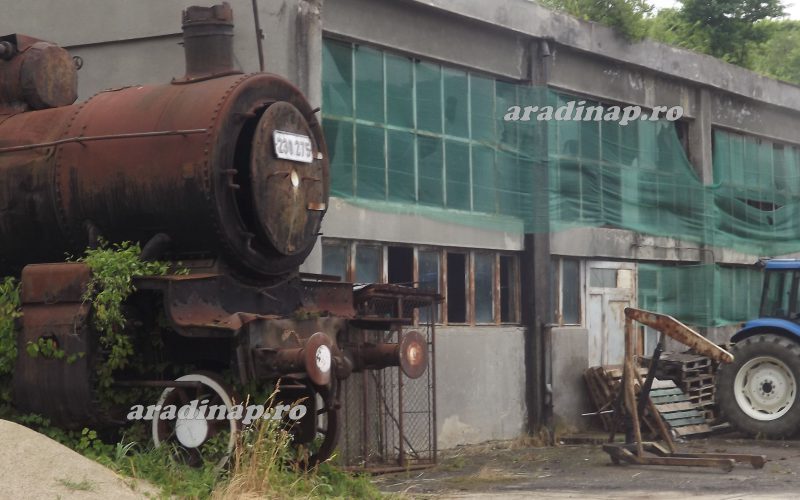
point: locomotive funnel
(208, 41)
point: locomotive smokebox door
(286, 171)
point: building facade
(537, 233)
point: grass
(262, 466)
(83, 485)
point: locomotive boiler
(224, 172)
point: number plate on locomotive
(294, 147)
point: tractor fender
(775, 326)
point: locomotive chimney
(208, 41)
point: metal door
(610, 288)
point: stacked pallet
(695, 375)
(676, 408)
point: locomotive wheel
(757, 393)
(326, 427)
(197, 440)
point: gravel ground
(33, 466)
(513, 470)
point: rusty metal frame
(378, 435)
(629, 409)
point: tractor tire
(758, 392)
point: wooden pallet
(695, 375)
(675, 407)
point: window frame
(515, 285)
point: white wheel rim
(188, 434)
(765, 388)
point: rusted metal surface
(186, 186)
(410, 354)
(680, 332)
(35, 74)
(190, 171)
(54, 283)
(208, 42)
(290, 191)
(52, 387)
(313, 359)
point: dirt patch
(507, 469)
(34, 466)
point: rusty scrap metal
(680, 332)
(35, 74)
(629, 412)
(81, 140)
(181, 185)
(208, 42)
(314, 358)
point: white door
(610, 288)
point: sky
(792, 6)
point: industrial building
(536, 233)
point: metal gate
(389, 420)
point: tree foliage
(629, 17)
(731, 26)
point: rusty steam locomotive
(223, 171)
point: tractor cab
(780, 298)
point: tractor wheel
(758, 392)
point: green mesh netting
(414, 137)
(704, 295)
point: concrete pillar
(535, 267)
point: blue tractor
(757, 393)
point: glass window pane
(428, 262)
(430, 167)
(334, 260)
(506, 96)
(483, 179)
(570, 292)
(508, 290)
(368, 264)
(339, 138)
(399, 91)
(603, 278)
(369, 84)
(484, 288)
(458, 195)
(455, 103)
(337, 78)
(401, 166)
(370, 159)
(483, 113)
(429, 97)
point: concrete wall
(570, 358)
(124, 42)
(480, 384)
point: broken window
(456, 288)
(401, 265)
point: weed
(84, 485)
